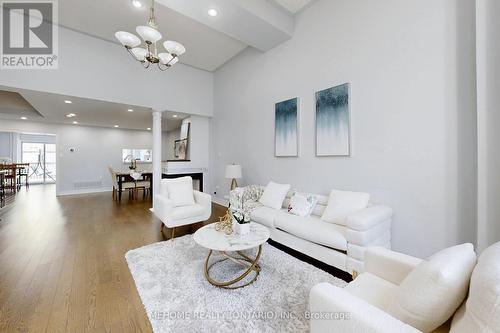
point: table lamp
(233, 171)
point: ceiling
(51, 108)
(210, 41)
(293, 6)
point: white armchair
(363, 299)
(177, 204)
(424, 293)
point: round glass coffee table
(218, 241)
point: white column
(156, 153)
(488, 121)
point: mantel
(195, 173)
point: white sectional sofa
(338, 245)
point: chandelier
(148, 54)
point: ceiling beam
(257, 23)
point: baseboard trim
(85, 191)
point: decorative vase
(241, 229)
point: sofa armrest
(334, 309)
(389, 265)
(203, 199)
(163, 207)
(369, 217)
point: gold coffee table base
(244, 260)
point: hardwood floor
(62, 265)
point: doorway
(42, 161)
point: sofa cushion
(342, 203)
(313, 229)
(265, 215)
(302, 205)
(374, 290)
(180, 191)
(184, 212)
(481, 311)
(274, 194)
(433, 291)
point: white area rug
(177, 298)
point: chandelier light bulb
(127, 39)
(174, 47)
(148, 34)
(174, 61)
(165, 58)
(139, 53)
(213, 12)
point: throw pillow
(180, 191)
(342, 203)
(302, 205)
(433, 291)
(481, 311)
(274, 194)
(252, 193)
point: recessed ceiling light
(213, 12)
(24, 118)
(136, 3)
(75, 122)
(68, 101)
(116, 126)
(149, 128)
(71, 115)
(130, 110)
(175, 116)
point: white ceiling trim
(292, 6)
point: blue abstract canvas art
(285, 128)
(332, 121)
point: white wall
(411, 69)
(488, 84)
(6, 145)
(90, 160)
(93, 68)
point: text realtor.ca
(29, 37)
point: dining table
(125, 176)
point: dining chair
(140, 183)
(126, 186)
(10, 176)
(23, 171)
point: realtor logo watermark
(29, 38)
